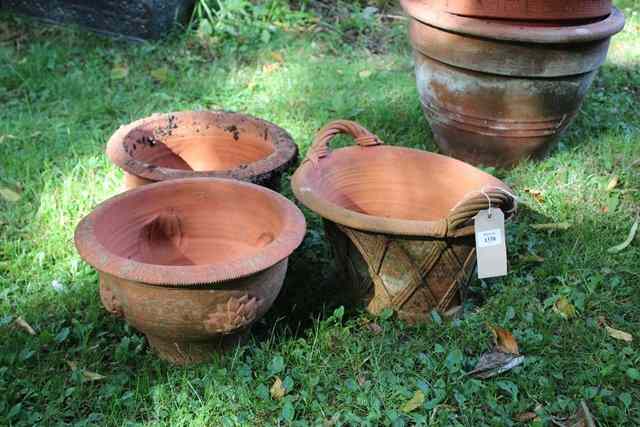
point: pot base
(410, 275)
(192, 352)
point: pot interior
(200, 141)
(394, 182)
(190, 223)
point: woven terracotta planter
(545, 10)
(496, 92)
(400, 220)
(216, 144)
(191, 263)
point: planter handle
(320, 146)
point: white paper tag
(491, 247)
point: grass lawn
(63, 92)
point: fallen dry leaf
(618, 334)
(582, 418)
(119, 71)
(531, 258)
(504, 340)
(552, 226)
(622, 246)
(277, 389)
(526, 416)
(9, 195)
(160, 74)
(277, 56)
(86, 375)
(414, 403)
(536, 194)
(454, 313)
(613, 183)
(92, 376)
(270, 68)
(375, 328)
(365, 74)
(564, 308)
(495, 363)
(22, 324)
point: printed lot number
(489, 238)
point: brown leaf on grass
(277, 389)
(536, 194)
(582, 418)
(22, 324)
(618, 334)
(375, 328)
(632, 235)
(495, 363)
(552, 226)
(613, 183)
(92, 376)
(160, 74)
(414, 403)
(270, 68)
(564, 308)
(86, 375)
(454, 313)
(614, 333)
(119, 71)
(365, 74)
(277, 56)
(9, 195)
(504, 340)
(526, 417)
(531, 258)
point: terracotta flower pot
(546, 10)
(191, 263)
(496, 92)
(400, 220)
(216, 144)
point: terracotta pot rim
(393, 226)
(508, 30)
(284, 154)
(104, 260)
(535, 10)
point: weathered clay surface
(552, 10)
(498, 97)
(400, 220)
(202, 144)
(491, 120)
(191, 263)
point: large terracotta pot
(216, 144)
(496, 92)
(191, 263)
(400, 220)
(546, 10)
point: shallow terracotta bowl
(188, 144)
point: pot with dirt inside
(216, 144)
